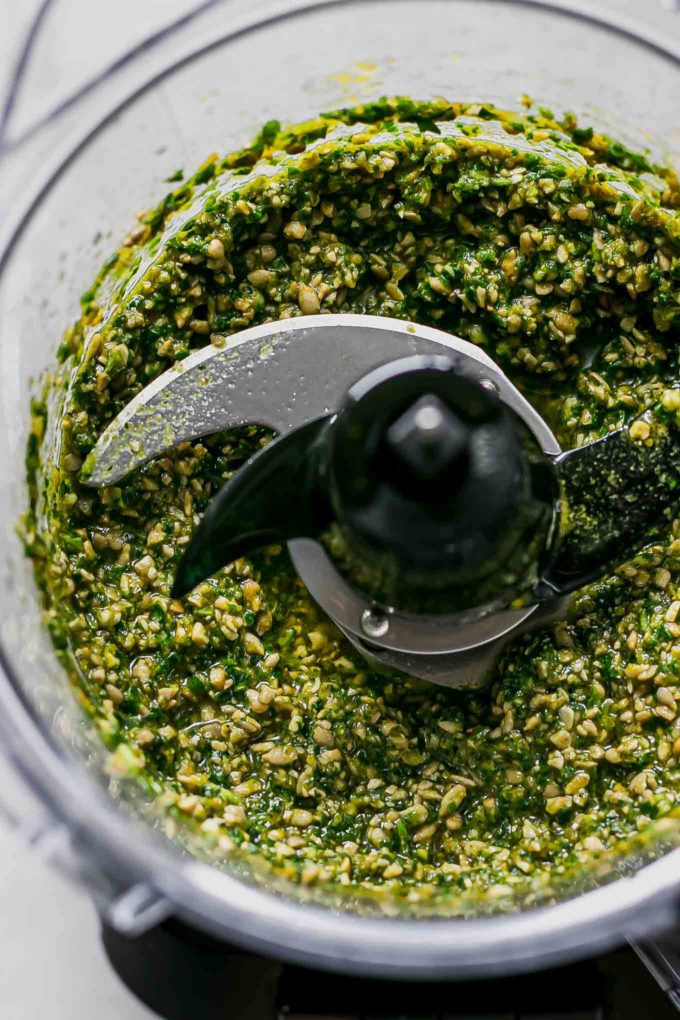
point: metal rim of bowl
(225, 906)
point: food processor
(211, 82)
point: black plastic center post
(427, 444)
(433, 490)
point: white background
(52, 966)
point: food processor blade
(291, 375)
(284, 375)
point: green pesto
(556, 249)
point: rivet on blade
(374, 623)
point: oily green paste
(240, 707)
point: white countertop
(52, 966)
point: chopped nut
(452, 799)
(556, 804)
(301, 818)
(281, 756)
(308, 299)
(295, 230)
(215, 249)
(234, 815)
(639, 431)
(252, 644)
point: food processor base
(179, 973)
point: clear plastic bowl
(77, 184)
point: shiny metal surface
(468, 668)
(279, 374)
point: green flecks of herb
(661, 634)
(606, 664)
(287, 639)
(266, 137)
(241, 677)
(626, 158)
(156, 612)
(88, 296)
(167, 205)
(169, 662)
(57, 635)
(178, 175)
(403, 837)
(114, 363)
(428, 124)
(129, 706)
(625, 218)
(197, 686)
(205, 173)
(71, 542)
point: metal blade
(271, 498)
(280, 374)
(616, 492)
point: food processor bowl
(77, 181)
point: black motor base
(182, 974)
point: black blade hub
(433, 489)
(427, 445)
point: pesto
(241, 707)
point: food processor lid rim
(590, 921)
(624, 26)
(627, 28)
